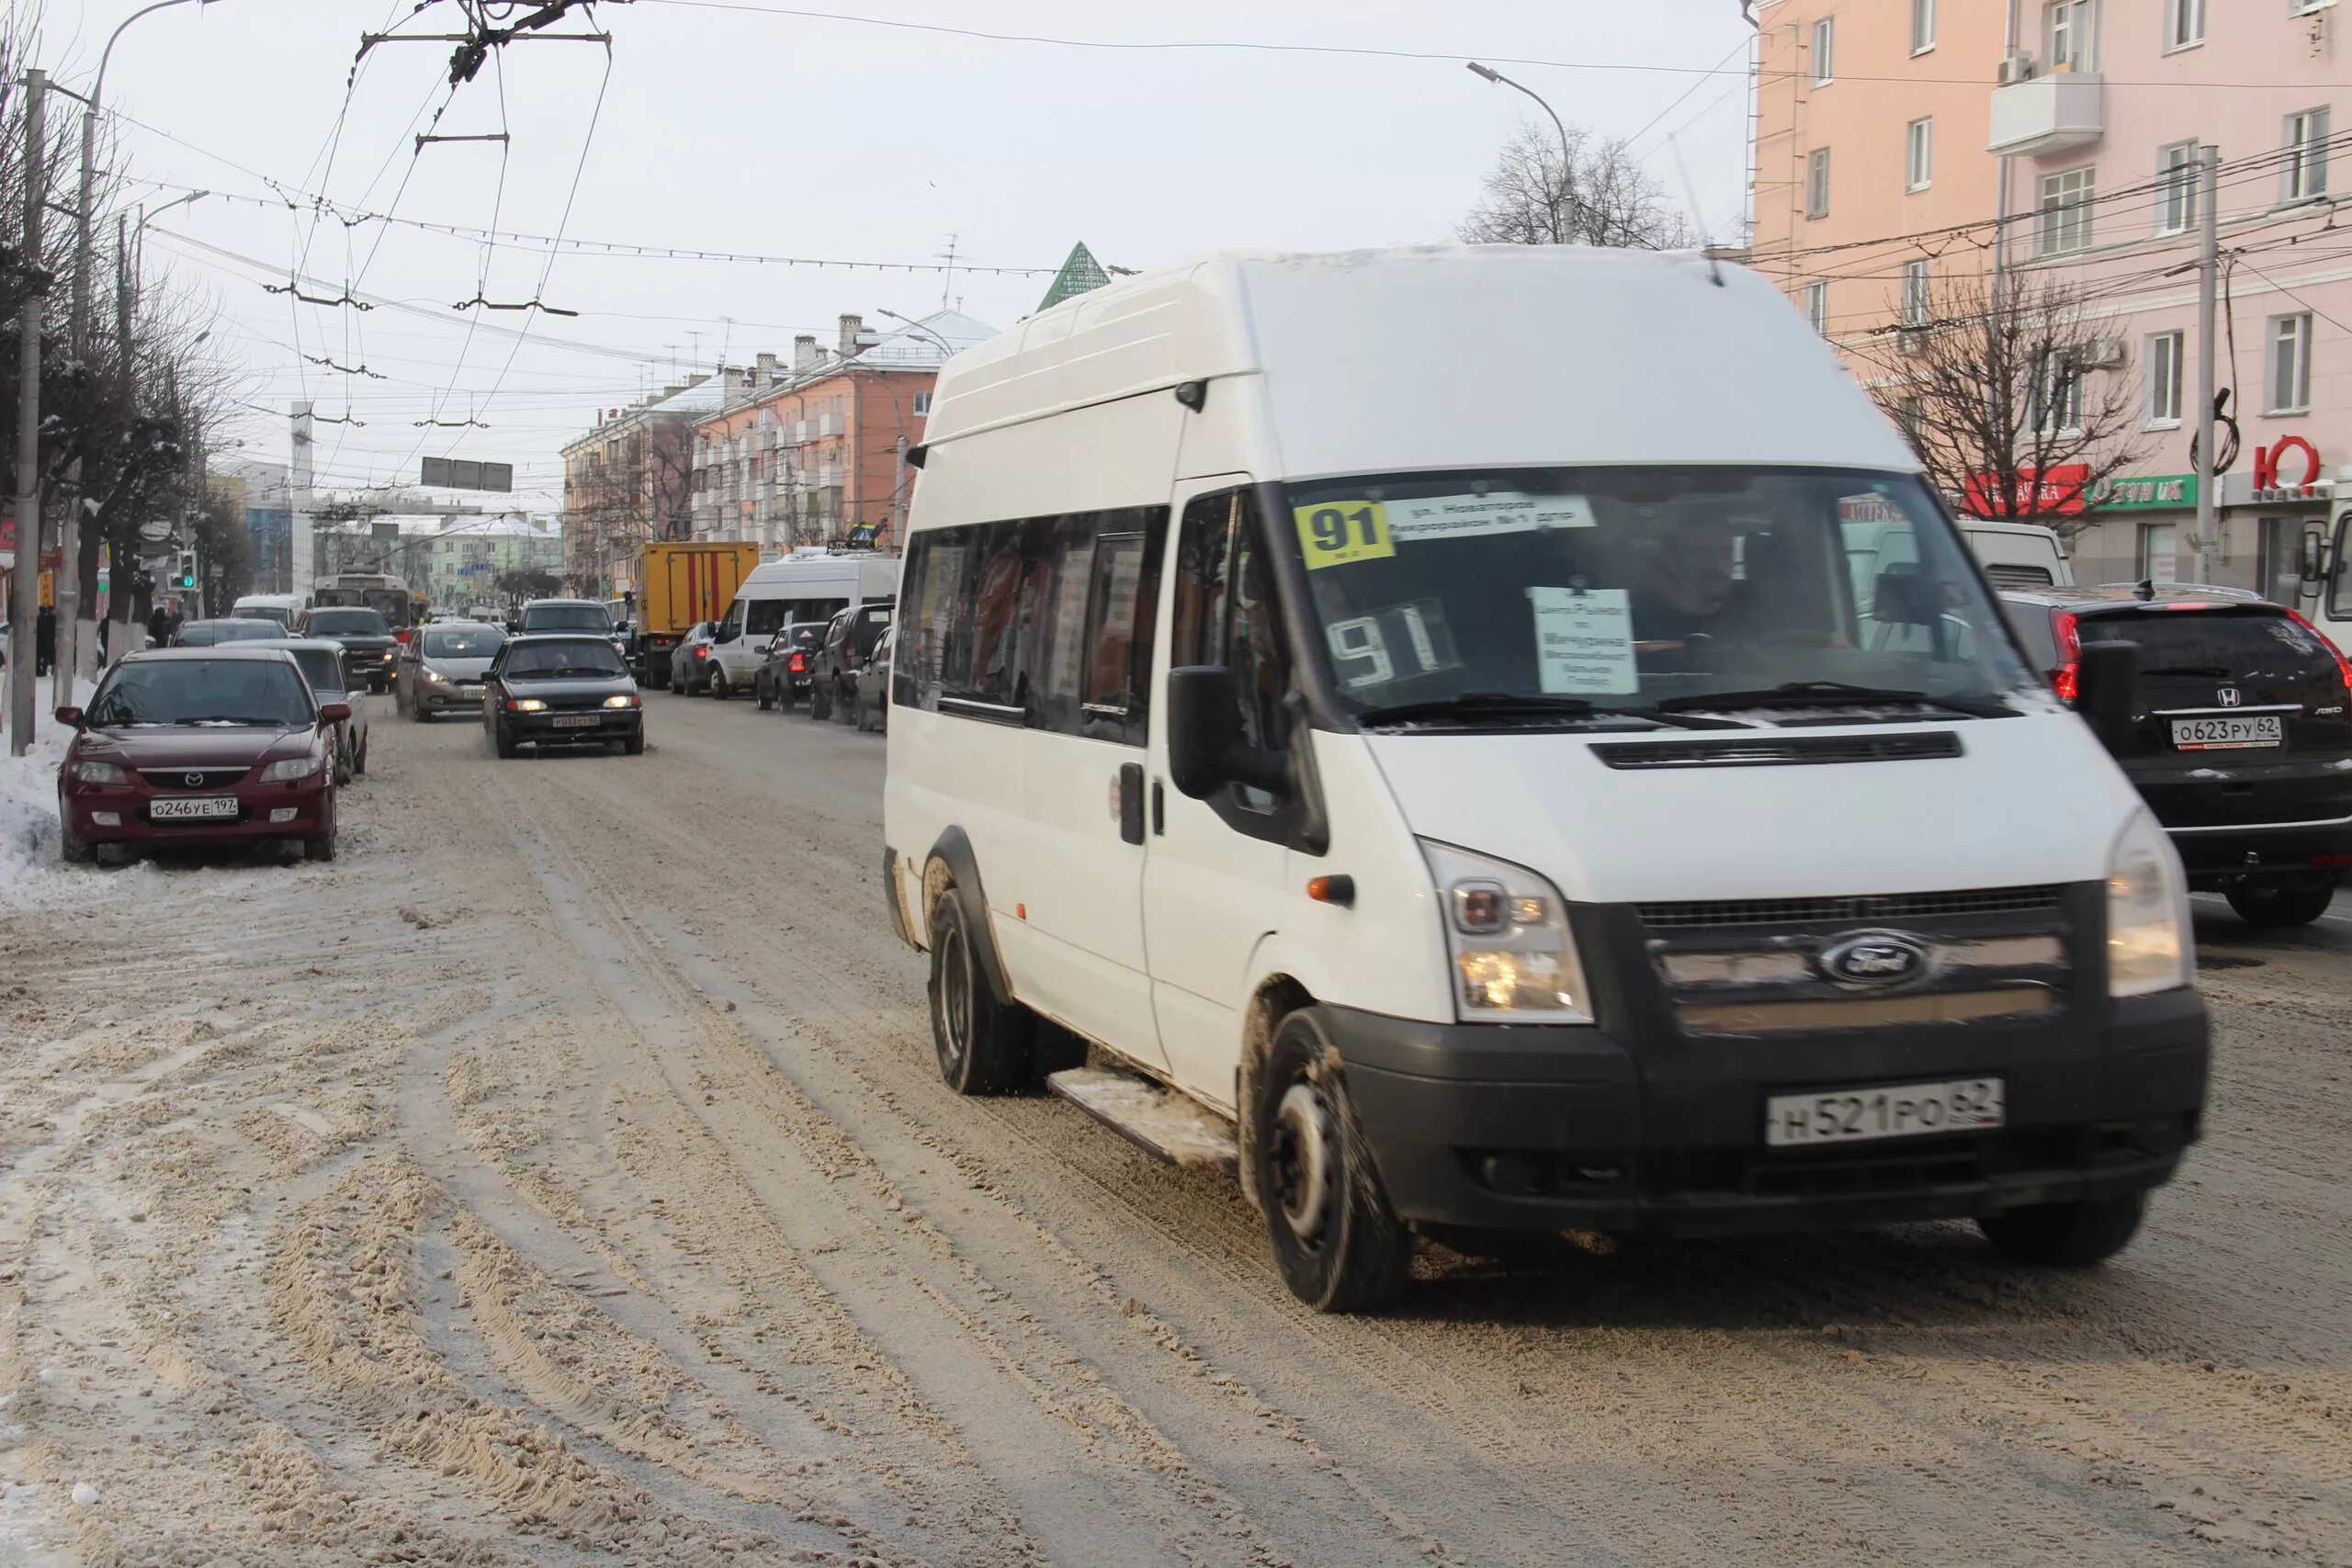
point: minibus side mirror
(1205, 750)
(2309, 568)
(2107, 690)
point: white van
(1411, 712)
(2018, 555)
(280, 607)
(808, 585)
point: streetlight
(69, 530)
(1568, 156)
(913, 325)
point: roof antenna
(1691, 195)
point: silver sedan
(441, 668)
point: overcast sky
(738, 126)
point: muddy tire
(982, 1045)
(2066, 1235)
(71, 850)
(502, 741)
(767, 697)
(1338, 1244)
(359, 760)
(319, 846)
(634, 745)
(2279, 908)
(717, 685)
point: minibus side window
(2339, 579)
(1225, 615)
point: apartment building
(814, 453)
(1898, 139)
(625, 483)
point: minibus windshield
(1645, 588)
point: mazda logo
(2228, 697)
(1874, 958)
(193, 780)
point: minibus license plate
(192, 808)
(2231, 734)
(579, 721)
(1900, 1110)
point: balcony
(2047, 114)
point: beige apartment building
(1898, 142)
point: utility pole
(297, 551)
(2209, 273)
(24, 611)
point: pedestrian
(159, 625)
(44, 640)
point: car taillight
(2343, 665)
(702, 653)
(2067, 676)
(799, 662)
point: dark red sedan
(194, 746)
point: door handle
(1158, 807)
(1131, 802)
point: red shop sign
(2057, 491)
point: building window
(2290, 363)
(2072, 30)
(2184, 24)
(2160, 552)
(1918, 154)
(1824, 43)
(1923, 25)
(2176, 176)
(2306, 167)
(1915, 293)
(1816, 307)
(2163, 378)
(2066, 212)
(1816, 184)
(2057, 395)
(923, 404)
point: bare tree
(2015, 398)
(1596, 194)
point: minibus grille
(1780, 751)
(1986, 958)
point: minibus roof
(1450, 356)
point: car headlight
(525, 704)
(2149, 947)
(93, 772)
(1506, 932)
(433, 677)
(287, 770)
(622, 700)
(391, 654)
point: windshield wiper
(1531, 706)
(1832, 693)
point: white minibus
(809, 584)
(1410, 720)
(280, 607)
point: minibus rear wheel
(2066, 1235)
(982, 1044)
(1338, 1244)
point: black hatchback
(2241, 741)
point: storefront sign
(2144, 493)
(2054, 493)
(2269, 460)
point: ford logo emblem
(1874, 958)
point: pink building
(2079, 122)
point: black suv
(368, 644)
(849, 642)
(2240, 742)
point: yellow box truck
(678, 585)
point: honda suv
(2242, 739)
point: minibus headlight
(2148, 941)
(1506, 934)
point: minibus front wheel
(982, 1044)
(1338, 1244)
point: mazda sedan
(564, 689)
(199, 746)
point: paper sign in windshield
(1584, 640)
(1497, 512)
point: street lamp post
(1568, 155)
(68, 534)
(913, 325)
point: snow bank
(29, 870)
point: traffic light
(184, 574)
